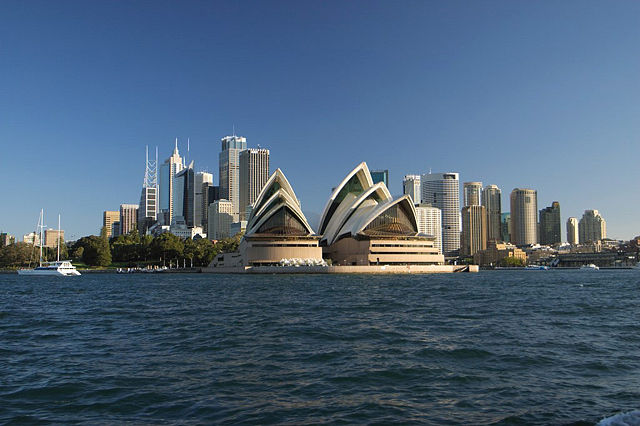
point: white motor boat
(589, 267)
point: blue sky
(544, 95)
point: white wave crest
(632, 418)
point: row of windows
(284, 245)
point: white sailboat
(60, 268)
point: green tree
(512, 262)
(167, 246)
(95, 250)
(126, 248)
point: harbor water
(497, 347)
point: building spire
(175, 150)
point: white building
(411, 187)
(220, 219)
(442, 190)
(572, 231)
(202, 181)
(592, 227)
(180, 229)
(229, 163)
(31, 238)
(430, 223)
(168, 170)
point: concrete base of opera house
(362, 269)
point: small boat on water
(589, 267)
(536, 268)
(59, 268)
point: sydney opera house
(361, 225)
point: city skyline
(567, 93)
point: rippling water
(498, 347)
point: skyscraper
(128, 218)
(108, 219)
(572, 231)
(220, 219)
(229, 163)
(474, 230)
(471, 192)
(168, 170)
(592, 227)
(202, 182)
(380, 176)
(411, 187)
(148, 207)
(442, 190)
(550, 232)
(210, 193)
(505, 226)
(183, 196)
(254, 173)
(524, 216)
(430, 223)
(492, 202)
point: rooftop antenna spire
(234, 130)
(151, 170)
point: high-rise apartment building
(168, 170)
(474, 230)
(524, 216)
(229, 163)
(380, 176)
(592, 227)
(108, 219)
(184, 196)
(254, 173)
(148, 207)
(442, 190)
(128, 218)
(492, 202)
(411, 187)
(572, 231)
(52, 236)
(505, 226)
(202, 182)
(31, 238)
(471, 193)
(220, 219)
(550, 232)
(430, 223)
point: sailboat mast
(41, 234)
(58, 237)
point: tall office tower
(202, 182)
(592, 227)
(524, 216)
(230, 170)
(380, 176)
(148, 207)
(51, 237)
(108, 219)
(168, 170)
(442, 190)
(505, 226)
(572, 231)
(210, 193)
(220, 219)
(254, 173)
(430, 223)
(183, 196)
(471, 192)
(492, 202)
(474, 230)
(550, 233)
(411, 187)
(115, 227)
(128, 218)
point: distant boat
(60, 268)
(589, 267)
(536, 268)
